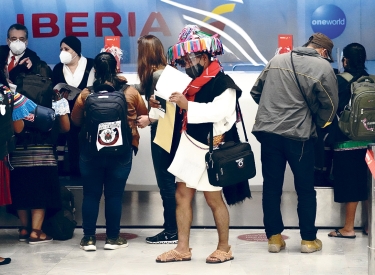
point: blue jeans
(166, 182)
(110, 172)
(276, 151)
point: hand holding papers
(67, 91)
(170, 81)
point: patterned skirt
(34, 181)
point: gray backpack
(357, 121)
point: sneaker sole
(273, 248)
(88, 247)
(114, 246)
(304, 249)
(163, 242)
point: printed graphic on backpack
(109, 134)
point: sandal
(23, 237)
(173, 256)
(219, 256)
(338, 234)
(38, 239)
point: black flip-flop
(339, 235)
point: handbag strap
(299, 85)
(238, 109)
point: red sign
(370, 162)
(285, 43)
(112, 45)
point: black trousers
(166, 182)
(276, 152)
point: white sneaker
(88, 243)
(112, 244)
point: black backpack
(61, 225)
(107, 131)
(38, 87)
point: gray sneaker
(88, 243)
(112, 244)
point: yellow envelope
(164, 131)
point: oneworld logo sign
(329, 19)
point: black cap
(73, 42)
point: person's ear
(344, 61)
(205, 58)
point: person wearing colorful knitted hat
(210, 99)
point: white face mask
(17, 47)
(66, 57)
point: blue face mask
(194, 71)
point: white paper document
(171, 80)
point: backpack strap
(89, 66)
(347, 76)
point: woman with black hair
(108, 171)
(349, 166)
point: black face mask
(194, 71)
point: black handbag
(232, 162)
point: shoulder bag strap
(299, 85)
(238, 110)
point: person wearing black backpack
(108, 138)
(77, 71)
(349, 166)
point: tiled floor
(339, 256)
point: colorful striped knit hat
(193, 40)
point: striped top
(38, 155)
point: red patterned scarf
(195, 85)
